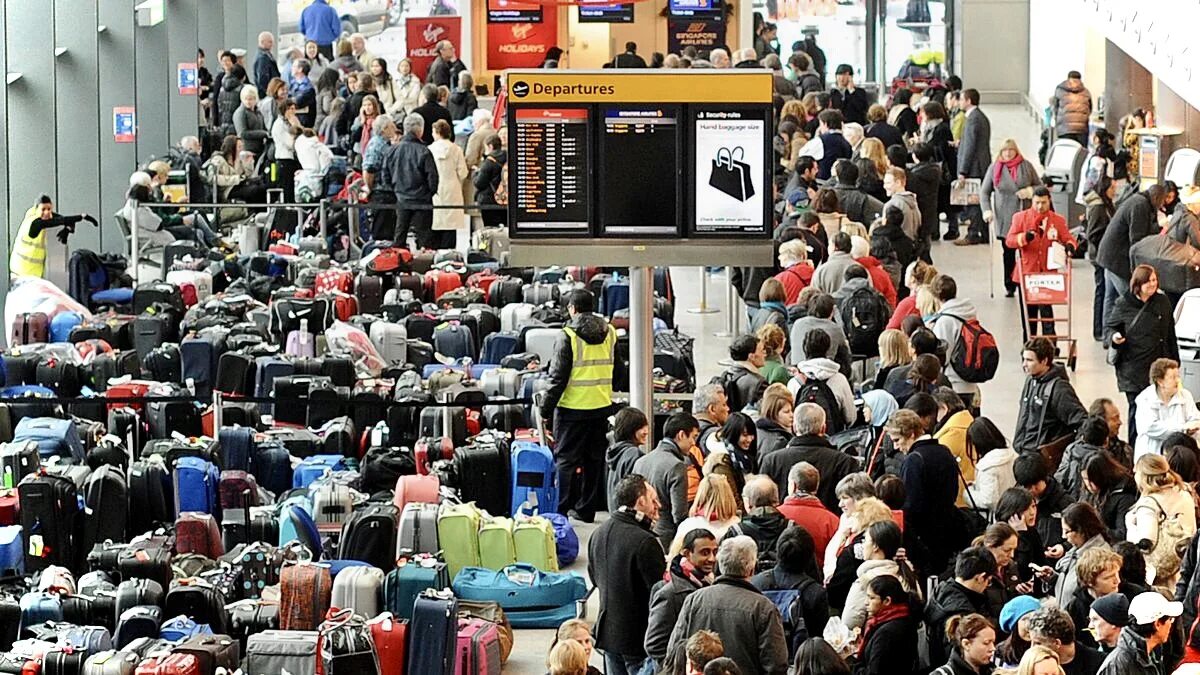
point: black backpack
(728, 380)
(865, 315)
(817, 391)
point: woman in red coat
(1033, 233)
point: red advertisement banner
(520, 45)
(424, 33)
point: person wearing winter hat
(1106, 618)
(1138, 650)
(1014, 621)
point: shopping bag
(1056, 257)
(731, 175)
(964, 192)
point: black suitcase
(163, 364)
(10, 622)
(483, 468)
(246, 619)
(403, 421)
(368, 408)
(369, 291)
(432, 425)
(340, 437)
(383, 466)
(64, 661)
(370, 536)
(20, 369)
(151, 496)
(157, 292)
(60, 375)
(294, 388)
(236, 373)
(152, 330)
(149, 562)
(49, 508)
(106, 495)
(199, 600)
(326, 402)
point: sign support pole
(731, 307)
(704, 308)
(641, 340)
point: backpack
(728, 380)
(865, 315)
(974, 356)
(1163, 557)
(813, 390)
(790, 603)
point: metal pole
(322, 218)
(218, 415)
(133, 243)
(704, 308)
(732, 308)
(641, 339)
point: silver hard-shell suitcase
(273, 651)
(418, 529)
(359, 589)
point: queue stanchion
(323, 219)
(705, 278)
(732, 307)
(133, 244)
(218, 400)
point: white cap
(1149, 607)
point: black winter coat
(1050, 409)
(1051, 504)
(1134, 219)
(1116, 503)
(890, 231)
(858, 206)
(487, 179)
(771, 437)
(951, 599)
(816, 450)
(924, 179)
(625, 561)
(886, 133)
(891, 647)
(814, 602)
(665, 603)
(1149, 331)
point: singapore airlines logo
(521, 31)
(433, 33)
(696, 28)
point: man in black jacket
(579, 399)
(625, 561)
(762, 521)
(924, 181)
(265, 66)
(689, 571)
(742, 381)
(445, 68)
(487, 181)
(432, 111)
(410, 169)
(711, 408)
(973, 570)
(1032, 473)
(1136, 217)
(810, 445)
(858, 206)
(629, 58)
(848, 98)
(1050, 410)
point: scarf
(298, 87)
(1012, 165)
(683, 567)
(888, 613)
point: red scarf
(1011, 165)
(888, 613)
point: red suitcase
(390, 637)
(170, 664)
(8, 507)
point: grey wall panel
(997, 68)
(210, 30)
(235, 27)
(78, 98)
(117, 69)
(260, 16)
(31, 104)
(5, 212)
(154, 75)
(182, 39)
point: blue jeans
(619, 664)
(1113, 288)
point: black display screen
(606, 13)
(697, 9)
(639, 182)
(549, 173)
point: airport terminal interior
(806, 337)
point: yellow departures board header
(661, 86)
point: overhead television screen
(617, 13)
(548, 173)
(729, 192)
(640, 150)
(507, 11)
(697, 9)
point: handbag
(970, 518)
(965, 192)
(731, 175)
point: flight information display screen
(606, 13)
(549, 173)
(698, 9)
(508, 11)
(729, 174)
(640, 154)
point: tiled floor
(1092, 378)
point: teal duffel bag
(530, 598)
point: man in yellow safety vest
(28, 256)
(580, 399)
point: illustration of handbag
(731, 175)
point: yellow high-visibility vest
(590, 384)
(28, 256)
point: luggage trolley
(1053, 289)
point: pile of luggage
(373, 494)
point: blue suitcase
(454, 340)
(403, 585)
(499, 345)
(534, 477)
(529, 597)
(614, 295)
(237, 448)
(196, 482)
(272, 467)
(40, 607)
(433, 635)
(54, 437)
(12, 550)
(200, 355)
(267, 369)
(296, 523)
(61, 325)
(312, 468)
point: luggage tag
(520, 576)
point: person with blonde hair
(567, 658)
(714, 509)
(1164, 516)
(580, 632)
(774, 342)
(872, 164)
(1007, 189)
(797, 273)
(1040, 661)
(848, 554)
(917, 275)
(850, 491)
(894, 350)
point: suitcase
(382, 467)
(486, 465)
(332, 505)
(304, 596)
(478, 651)
(12, 550)
(29, 328)
(54, 437)
(237, 490)
(199, 600)
(106, 496)
(170, 664)
(181, 628)
(496, 548)
(418, 530)
(390, 638)
(151, 496)
(272, 652)
(391, 340)
(195, 482)
(499, 345)
(200, 357)
(267, 370)
(137, 622)
(530, 598)
(235, 374)
(614, 295)
(541, 341)
(198, 533)
(272, 467)
(345, 646)
(212, 652)
(49, 511)
(419, 489)
(149, 561)
(369, 290)
(369, 535)
(433, 635)
(458, 534)
(506, 291)
(312, 468)
(17, 460)
(515, 316)
(111, 662)
(533, 539)
(534, 477)
(250, 617)
(359, 589)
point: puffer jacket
(1072, 107)
(1050, 409)
(619, 459)
(1098, 216)
(857, 204)
(228, 100)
